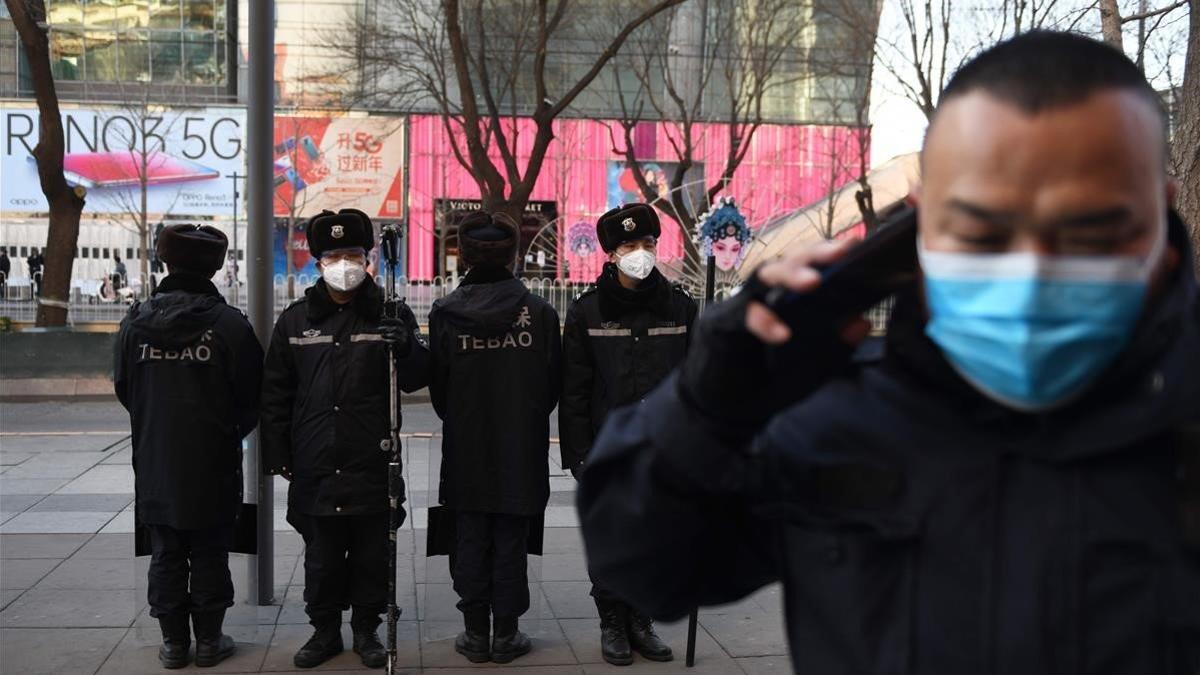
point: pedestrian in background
(621, 338)
(34, 263)
(119, 273)
(5, 270)
(324, 414)
(496, 374)
(1009, 484)
(188, 369)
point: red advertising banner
(339, 162)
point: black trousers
(603, 595)
(345, 566)
(189, 570)
(489, 565)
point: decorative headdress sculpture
(581, 239)
(722, 233)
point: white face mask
(638, 264)
(344, 275)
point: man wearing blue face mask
(1012, 483)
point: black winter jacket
(188, 368)
(618, 345)
(496, 371)
(920, 528)
(325, 401)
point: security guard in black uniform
(622, 337)
(325, 411)
(495, 378)
(188, 368)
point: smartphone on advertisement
(122, 169)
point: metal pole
(260, 114)
(237, 267)
(710, 291)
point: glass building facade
(161, 41)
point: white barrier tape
(49, 302)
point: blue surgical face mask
(1031, 331)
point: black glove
(397, 335)
(732, 376)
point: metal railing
(97, 301)
(101, 301)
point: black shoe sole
(210, 662)
(173, 664)
(509, 657)
(474, 657)
(617, 661)
(382, 660)
(324, 657)
(661, 658)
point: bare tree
(143, 135)
(689, 82)
(483, 64)
(66, 202)
(1183, 94)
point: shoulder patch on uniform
(679, 288)
(587, 291)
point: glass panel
(66, 52)
(199, 15)
(200, 58)
(166, 55)
(166, 14)
(134, 56)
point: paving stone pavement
(72, 596)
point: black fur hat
(487, 239)
(627, 223)
(348, 228)
(194, 248)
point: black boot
(644, 640)
(212, 646)
(177, 640)
(473, 642)
(325, 643)
(509, 643)
(614, 636)
(366, 640)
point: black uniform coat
(188, 368)
(325, 401)
(618, 344)
(1007, 543)
(496, 366)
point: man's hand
(746, 364)
(397, 335)
(798, 273)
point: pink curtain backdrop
(785, 168)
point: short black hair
(1041, 70)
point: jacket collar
(616, 301)
(188, 283)
(367, 301)
(486, 275)
(1163, 324)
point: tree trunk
(287, 253)
(144, 230)
(66, 204)
(1186, 142)
(1110, 23)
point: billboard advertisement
(339, 162)
(180, 157)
